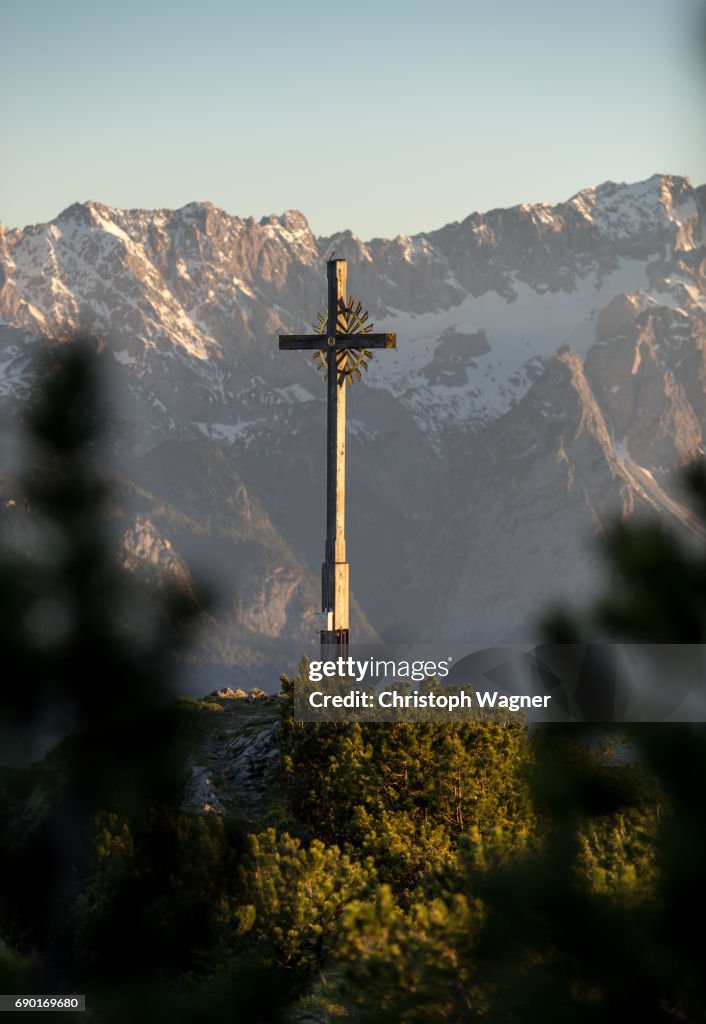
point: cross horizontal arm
(317, 341)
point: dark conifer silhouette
(109, 887)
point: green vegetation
(405, 793)
(393, 872)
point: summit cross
(341, 346)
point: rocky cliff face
(550, 371)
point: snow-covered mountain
(550, 370)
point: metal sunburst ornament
(351, 320)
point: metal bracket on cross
(348, 360)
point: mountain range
(550, 373)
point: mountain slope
(550, 371)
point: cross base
(337, 638)
(334, 601)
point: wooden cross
(339, 351)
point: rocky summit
(550, 373)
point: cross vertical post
(334, 572)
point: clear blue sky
(379, 115)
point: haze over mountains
(550, 370)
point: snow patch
(124, 358)
(295, 393)
(522, 333)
